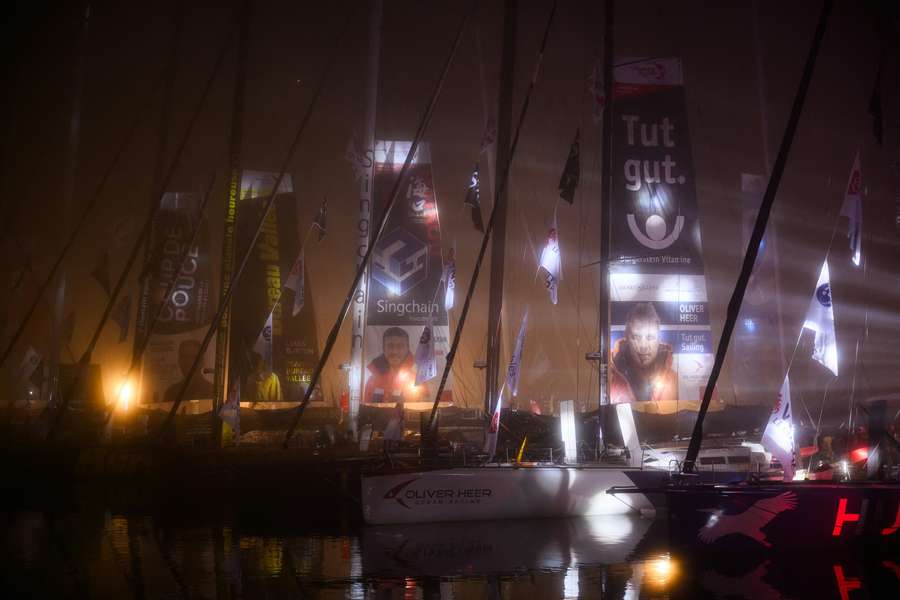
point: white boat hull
(505, 492)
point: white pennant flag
(551, 261)
(778, 438)
(231, 410)
(296, 282)
(820, 318)
(515, 363)
(449, 277)
(263, 344)
(852, 209)
(490, 438)
(426, 361)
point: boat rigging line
(270, 201)
(759, 229)
(385, 213)
(461, 321)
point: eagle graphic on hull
(749, 522)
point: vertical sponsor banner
(661, 347)
(404, 283)
(179, 332)
(293, 338)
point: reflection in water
(98, 552)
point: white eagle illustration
(750, 522)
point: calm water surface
(106, 548)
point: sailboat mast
(498, 243)
(59, 303)
(220, 383)
(365, 214)
(606, 199)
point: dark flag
(321, 222)
(473, 199)
(875, 110)
(101, 272)
(122, 317)
(569, 180)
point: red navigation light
(859, 454)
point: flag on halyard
(551, 262)
(321, 222)
(572, 172)
(394, 430)
(426, 360)
(490, 134)
(296, 282)
(263, 344)
(875, 110)
(231, 411)
(122, 317)
(515, 362)
(852, 209)
(820, 319)
(101, 272)
(360, 162)
(598, 94)
(30, 363)
(490, 438)
(450, 277)
(778, 438)
(473, 199)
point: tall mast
(365, 213)
(498, 243)
(606, 199)
(220, 390)
(59, 301)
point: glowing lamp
(859, 454)
(126, 392)
(661, 571)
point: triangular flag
(359, 162)
(122, 316)
(101, 272)
(449, 277)
(778, 438)
(30, 363)
(598, 94)
(572, 172)
(852, 209)
(820, 318)
(875, 110)
(551, 261)
(426, 359)
(394, 430)
(230, 412)
(296, 282)
(515, 362)
(263, 344)
(321, 222)
(490, 438)
(489, 135)
(473, 199)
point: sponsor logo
(400, 262)
(650, 70)
(823, 295)
(655, 226)
(749, 522)
(406, 495)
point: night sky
(125, 57)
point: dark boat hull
(777, 516)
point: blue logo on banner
(823, 295)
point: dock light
(661, 571)
(750, 325)
(126, 392)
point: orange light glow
(126, 392)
